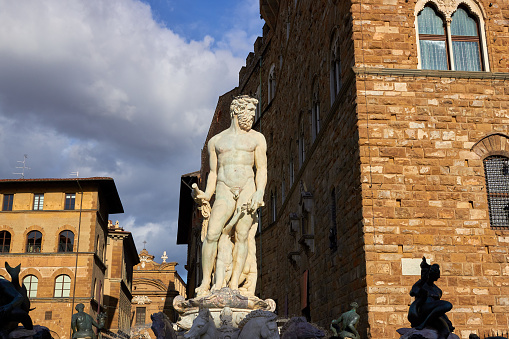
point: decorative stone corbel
(308, 240)
(294, 257)
(294, 222)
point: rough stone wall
(424, 193)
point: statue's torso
(235, 158)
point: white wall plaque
(412, 266)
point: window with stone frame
(70, 200)
(315, 112)
(333, 230)
(258, 111)
(141, 315)
(38, 201)
(301, 142)
(7, 203)
(31, 282)
(496, 170)
(62, 286)
(273, 206)
(291, 168)
(335, 67)
(271, 83)
(451, 36)
(283, 189)
(5, 241)
(34, 242)
(65, 241)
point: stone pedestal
(215, 302)
(427, 333)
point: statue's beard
(245, 121)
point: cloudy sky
(119, 88)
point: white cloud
(99, 87)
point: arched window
(31, 282)
(301, 142)
(34, 242)
(5, 242)
(333, 231)
(432, 40)
(283, 188)
(450, 43)
(496, 170)
(335, 68)
(65, 241)
(291, 169)
(466, 45)
(315, 113)
(272, 83)
(273, 206)
(62, 286)
(258, 111)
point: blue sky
(119, 88)
(195, 19)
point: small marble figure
(346, 325)
(233, 153)
(81, 323)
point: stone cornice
(428, 73)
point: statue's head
(244, 107)
(354, 305)
(434, 272)
(80, 307)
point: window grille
(496, 169)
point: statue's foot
(420, 327)
(201, 291)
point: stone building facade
(387, 126)
(154, 287)
(57, 229)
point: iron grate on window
(496, 169)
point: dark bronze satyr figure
(345, 325)
(14, 303)
(428, 311)
(81, 324)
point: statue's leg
(21, 316)
(222, 210)
(438, 309)
(241, 237)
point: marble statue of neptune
(238, 175)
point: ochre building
(154, 287)
(387, 126)
(57, 229)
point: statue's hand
(199, 196)
(255, 201)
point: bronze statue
(14, 303)
(345, 325)
(428, 311)
(81, 323)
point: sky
(123, 89)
